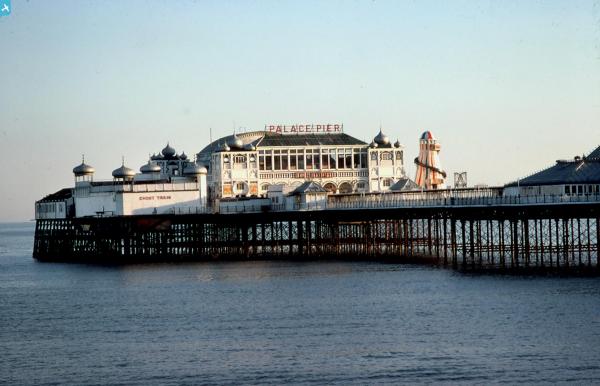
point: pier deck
(523, 237)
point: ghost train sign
(324, 128)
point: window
(386, 156)
(363, 159)
(387, 183)
(331, 158)
(313, 160)
(264, 187)
(340, 159)
(284, 160)
(300, 158)
(309, 161)
(277, 160)
(261, 160)
(399, 156)
(567, 190)
(293, 159)
(239, 159)
(240, 186)
(268, 161)
(348, 158)
(325, 159)
(356, 159)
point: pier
(489, 233)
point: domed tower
(83, 172)
(235, 142)
(168, 152)
(429, 173)
(123, 173)
(386, 162)
(150, 167)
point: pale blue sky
(506, 86)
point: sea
(286, 322)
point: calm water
(284, 322)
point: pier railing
(399, 201)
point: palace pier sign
(306, 128)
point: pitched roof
(308, 187)
(583, 171)
(404, 184)
(62, 194)
(595, 154)
(272, 139)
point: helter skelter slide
(429, 173)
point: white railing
(233, 209)
(459, 201)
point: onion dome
(183, 156)
(150, 167)
(193, 169)
(235, 142)
(381, 139)
(225, 147)
(397, 143)
(168, 151)
(154, 157)
(123, 172)
(373, 144)
(250, 147)
(427, 136)
(83, 169)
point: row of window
(582, 189)
(309, 159)
(49, 208)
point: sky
(507, 87)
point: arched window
(345, 187)
(386, 156)
(330, 187)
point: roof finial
(83, 158)
(122, 160)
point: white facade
(244, 166)
(168, 183)
(136, 199)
